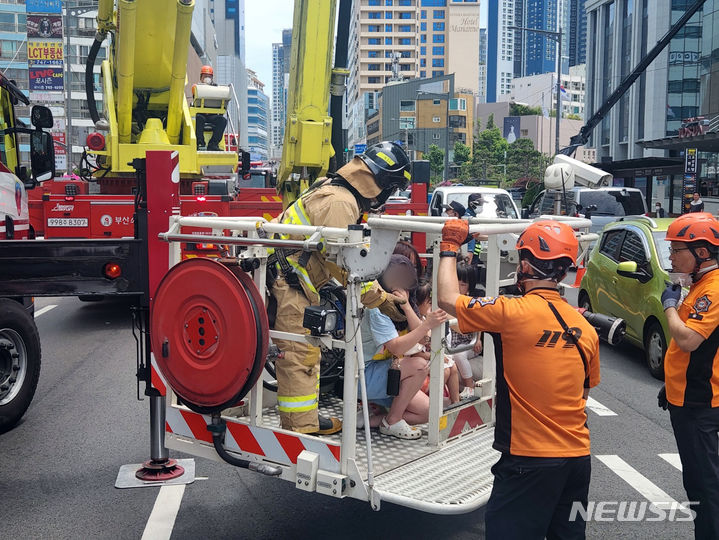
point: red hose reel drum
(209, 333)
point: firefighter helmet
(207, 70)
(694, 227)
(549, 240)
(389, 165)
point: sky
(264, 22)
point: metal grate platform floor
(388, 452)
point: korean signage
(43, 6)
(44, 53)
(44, 26)
(690, 178)
(46, 78)
(60, 152)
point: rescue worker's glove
(671, 296)
(454, 233)
(662, 398)
(374, 296)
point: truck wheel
(19, 362)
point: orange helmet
(207, 70)
(549, 240)
(694, 227)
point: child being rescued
(467, 277)
(383, 345)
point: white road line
(44, 310)
(673, 460)
(599, 409)
(653, 493)
(162, 519)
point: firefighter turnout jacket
(541, 376)
(692, 378)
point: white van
(497, 202)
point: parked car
(601, 205)
(497, 202)
(626, 275)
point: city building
(537, 53)
(482, 92)
(541, 91)
(422, 112)
(674, 106)
(280, 83)
(258, 118)
(577, 33)
(431, 37)
(541, 130)
(228, 17)
(500, 48)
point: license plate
(67, 222)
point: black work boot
(328, 426)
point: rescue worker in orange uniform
(547, 359)
(691, 363)
(217, 121)
(337, 201)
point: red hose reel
(209, 333)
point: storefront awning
(647, 166)
(708, 142)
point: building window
(422, 74)
(438, 27)
(437, 62)
(407, 105)
(422, 62)
(436, 102)
(388, 41)
(423, 38)
(375, 2)
(373, 80)
(458, 104)
(436, 119)
(406, 122)
(405, 28)
(423, 14)
(405, 3)
(387, 14)
(438, 38)
(423, 51)
(373, 54)
(436, 136)
(438, 51)
(437, 73)
(374, 41)
(373, 67)
(406, 67)
(438, 14)
(374, 28)
(405, 15)
(374, 15)
(405, 41)
(387, 27)
(388, 2)
(423, 27)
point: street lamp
(556, 36)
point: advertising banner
(44, 26)
(44, 53)
(43, 6)
(46, 78)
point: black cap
(457, 207)
(475, 197)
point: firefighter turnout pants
(298, 372)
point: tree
(462, 152)
(490, 122)
(436, 159)
(517, 109)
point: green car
(626, 275)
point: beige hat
(361, 178)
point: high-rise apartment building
(280, 82)
(500, 48)
(229, 20)
(431, 37)
(258, 118)
(538, 52)
(577, 33)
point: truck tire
(19, 362)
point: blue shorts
(375, 373)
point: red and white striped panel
(274, 444)
(158, 381)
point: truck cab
(498, 202)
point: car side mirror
(41, 117)
(42, 156)
(630, 269)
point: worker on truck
(547, 358)
(217, 121)
(337, 201)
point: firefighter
(338, 201)
(547, 358)
(691, 364)
(217, 121)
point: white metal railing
(364, 260)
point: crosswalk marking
(673, 460)
(44, 310)
(599, 409)
(653, 493)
